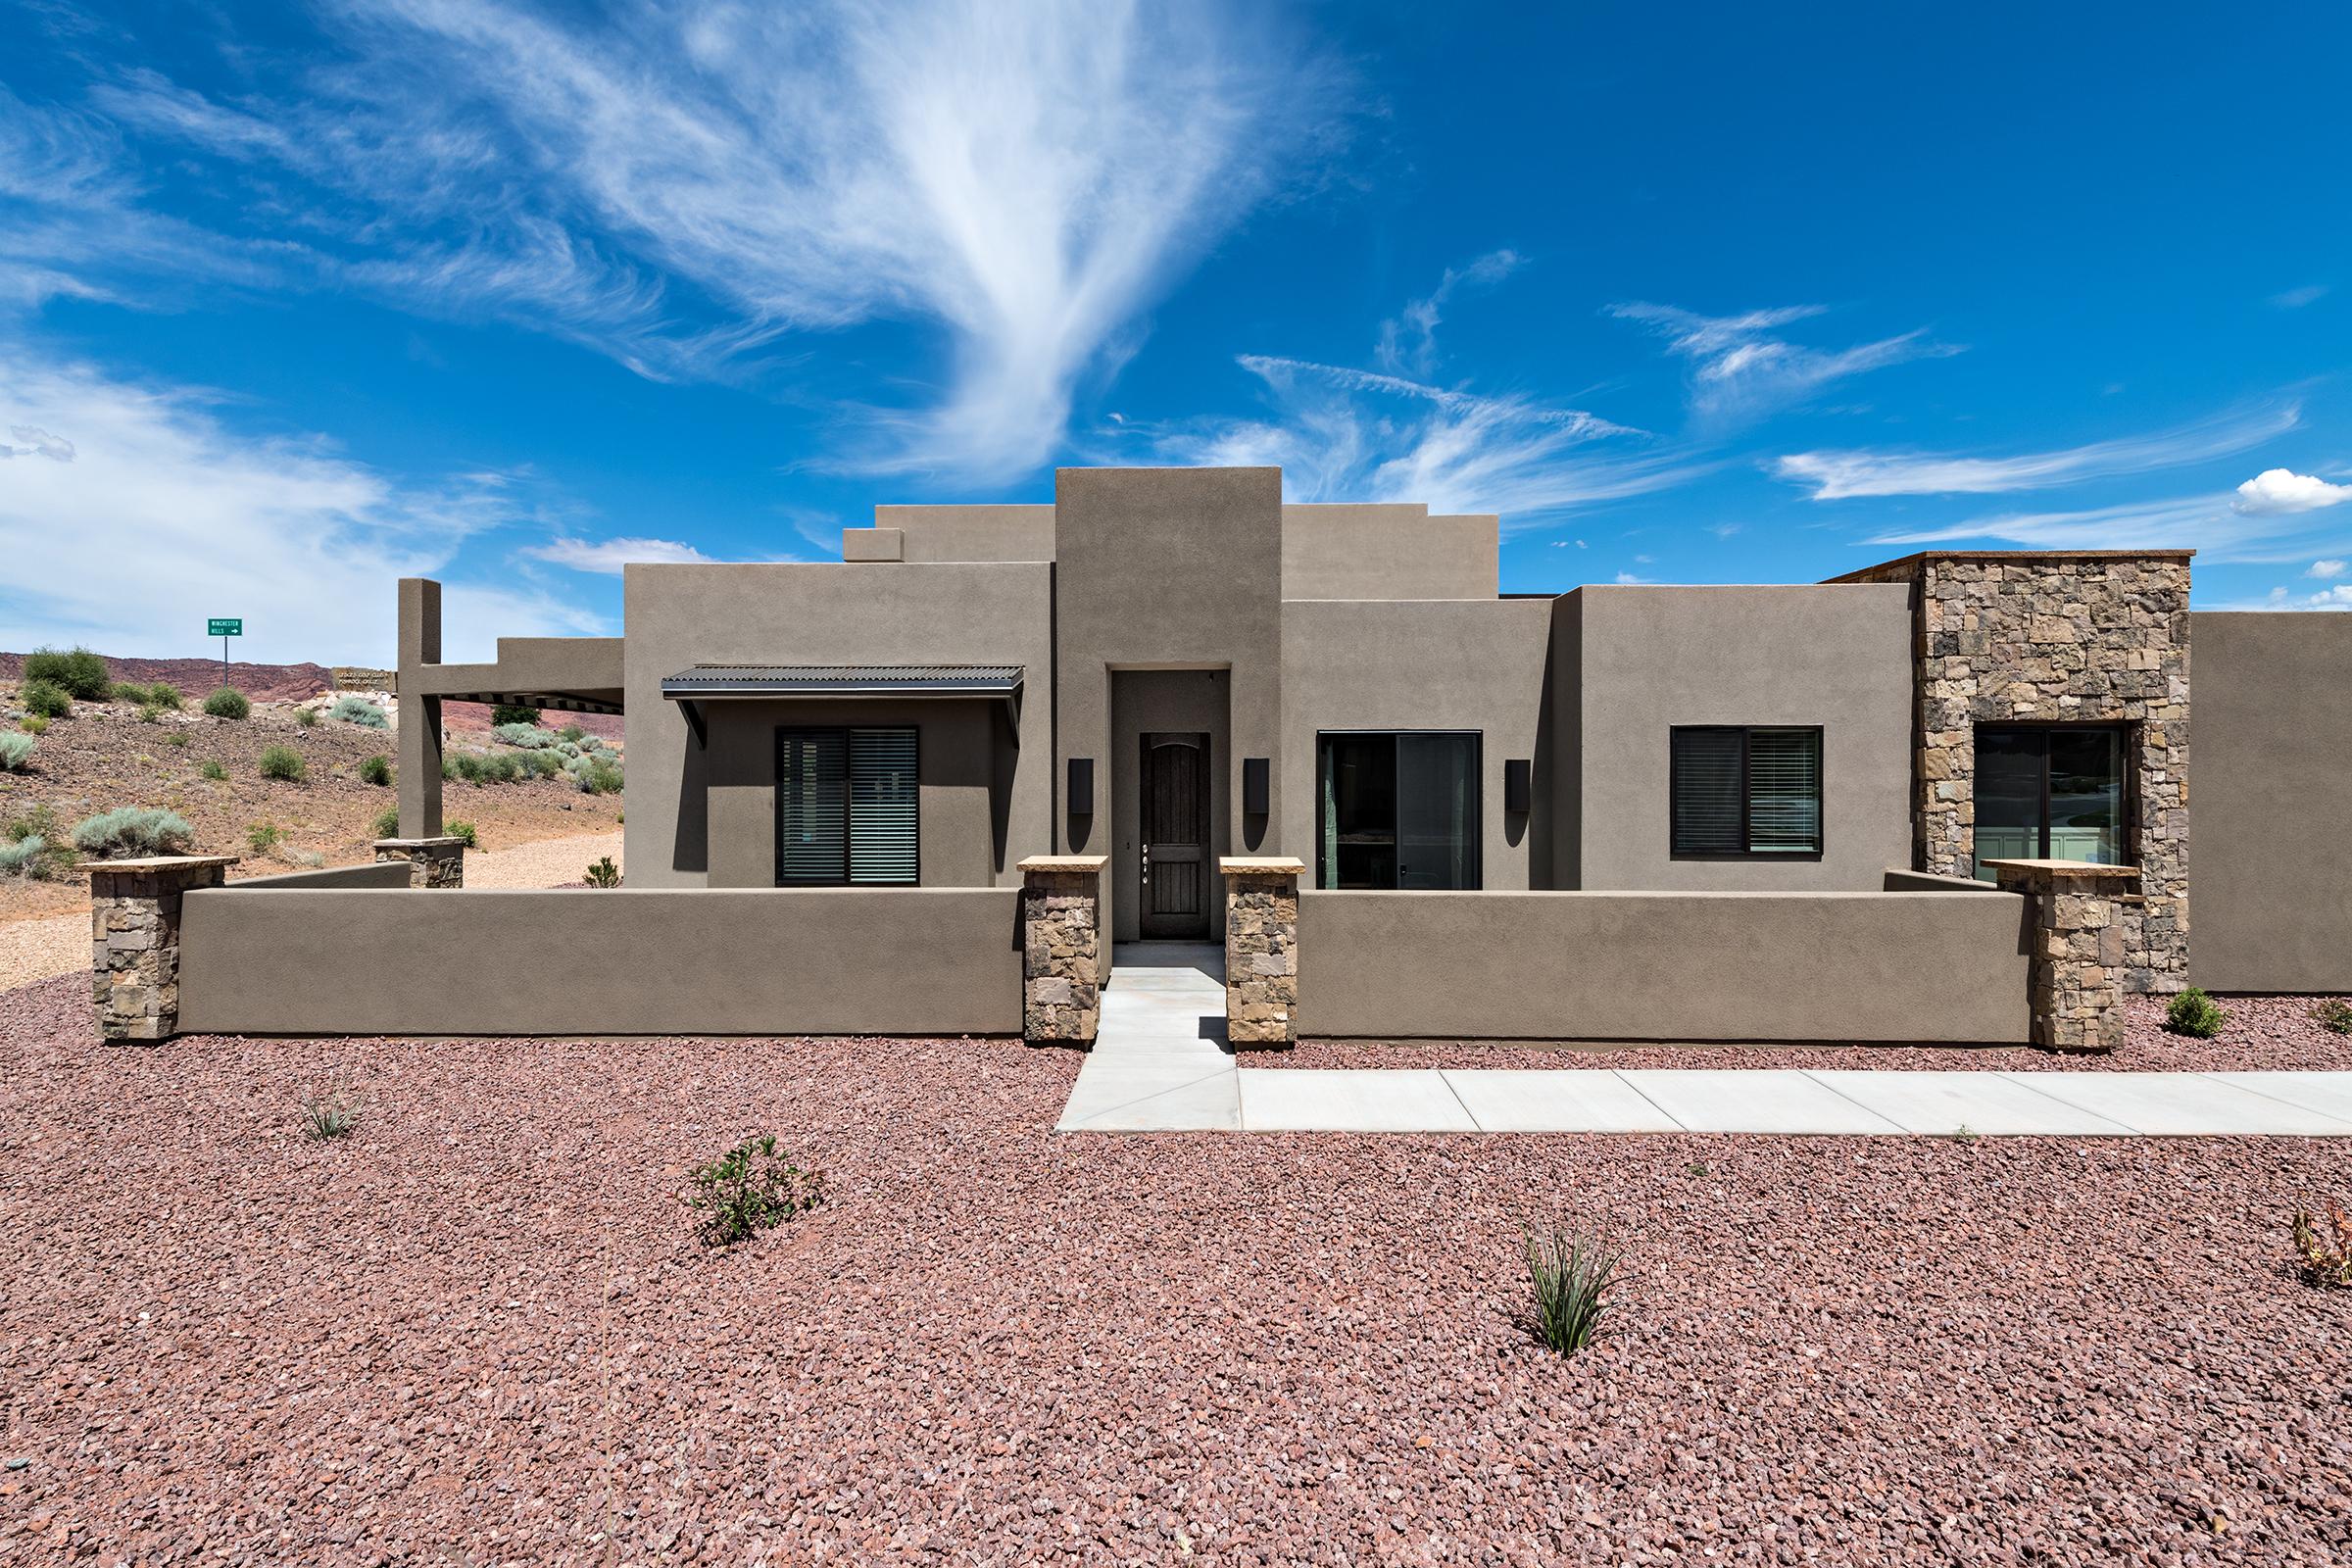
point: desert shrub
(130, 830)
(284, 762)
(530, 736)
(567, 750)
(162, 694)
(603, 779)
(228, 702)
(22, 857)
(78, 672)
(456, 765)
(572, 733)
(2193, 1013)
(593, 743)
(2324, 1245)
(263, 837)
(33, 724)
(505, 714)
(45, 699)
(463, 833)
(2334, 1015)
(213, 769)
(750, 1188)
(177, 738)
(387, 822)
(149, 713)
(306, 717)
(361, 712)
(308, 859)
(328, 1116)
(377, 770)
(541, 765)
(15, 751)
(603, 873)
(1572, 1275)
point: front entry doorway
(1176, 875)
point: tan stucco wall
(1651, 659)
(901, 962)
(1696, 966)
(374, 874)
(1423, 664)
(680, 616)
(951, 533)
(1386, 551)
(2272, 803)
(964, 759)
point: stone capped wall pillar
(1061, 948)
(1261, 949)
(2074, 975)
(134, 939)
(436, 862)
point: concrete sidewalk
(1160, 1064)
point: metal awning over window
(708, 683)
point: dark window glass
(1710, 800)
(2049, 791)
(1744, 792)
(846, 807)
(1398, 811)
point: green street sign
(235, 628)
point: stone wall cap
(441, 843)
(2009, 555)
(1262, 866)
(1064, 862)
(158, 863)
(2086, 869)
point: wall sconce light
(1518, 784)
(1082, 786)
(1256, 784)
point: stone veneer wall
(134, 939)
(1261, 950)
(2059, 638)
(2074, 976)
(1061, 918)
(438, 863)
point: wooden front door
(1177, 876)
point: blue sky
(293, 301)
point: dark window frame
(1478, 801)
(2128, 742)
(1747, 732)
(849, 843)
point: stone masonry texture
(2060, 639)
(1261, 959)
(432, 862)
(1061, 996)
(134, 945)
(2076, 943)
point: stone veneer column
(134, 939)
(2075, 974)
(438, 863)
(1061, 948)
(1261, 949)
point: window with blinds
(846, 807)
(1746, 791)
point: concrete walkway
(1159, 1065)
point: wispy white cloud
(2209, 525)
(1837, 475)
(2325, 569)
(140, 513)
(2338, 597)
(1740, 368)
(608, 556)
(2294, 299)
(1408, 340)
(2283, 490)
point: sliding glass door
(1398, 809)
(2049, 791)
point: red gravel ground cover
(2264, 1034)
(477, 1330)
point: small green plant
(162, 694)
(50, 857)
(263, 837)
(2193, 1013)
(178, 739)
(572, 733)
(463, 833)
(228, 702)
(16, 750)
(600, 779)
(361, 712)
(149, 713)
(529, 736)
(45, 699)
(306, 717)
(541, 765)
(78, 671)
(33, 724)
(22, 857)
(328, 1116)
(1572, 1275)
(308, 859)
(750, 1188)
(387, 822)
(603, 873)
(502, 714)
(130, 830)
(282, 762)
(2333, 1015)
(377, 770)
(211, 768)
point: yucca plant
(1572, 1274)
(328, 1117)
(603, 873)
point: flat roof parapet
(1909, 566)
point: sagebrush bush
(463, 833)
(603, 873)
(45, 699)
(308, 859)
(503, 713)
(387, 822)
(282, 762)
(212, 769)
(76, 671)
(2334, 1015)
(228, 702)
(595, 775)
(51, 858)
(361, 712)
(570, 732)
(1572, 1275)
(306, 717)
(263, 837)
(377, 770)
(16, 750)
(530, 736)
(2193, 1013)
(22, 858)
(541, 765)
(162, 694)
(129, 830)
(749, 1189)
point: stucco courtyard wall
(584, 961)
(1696, 967)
